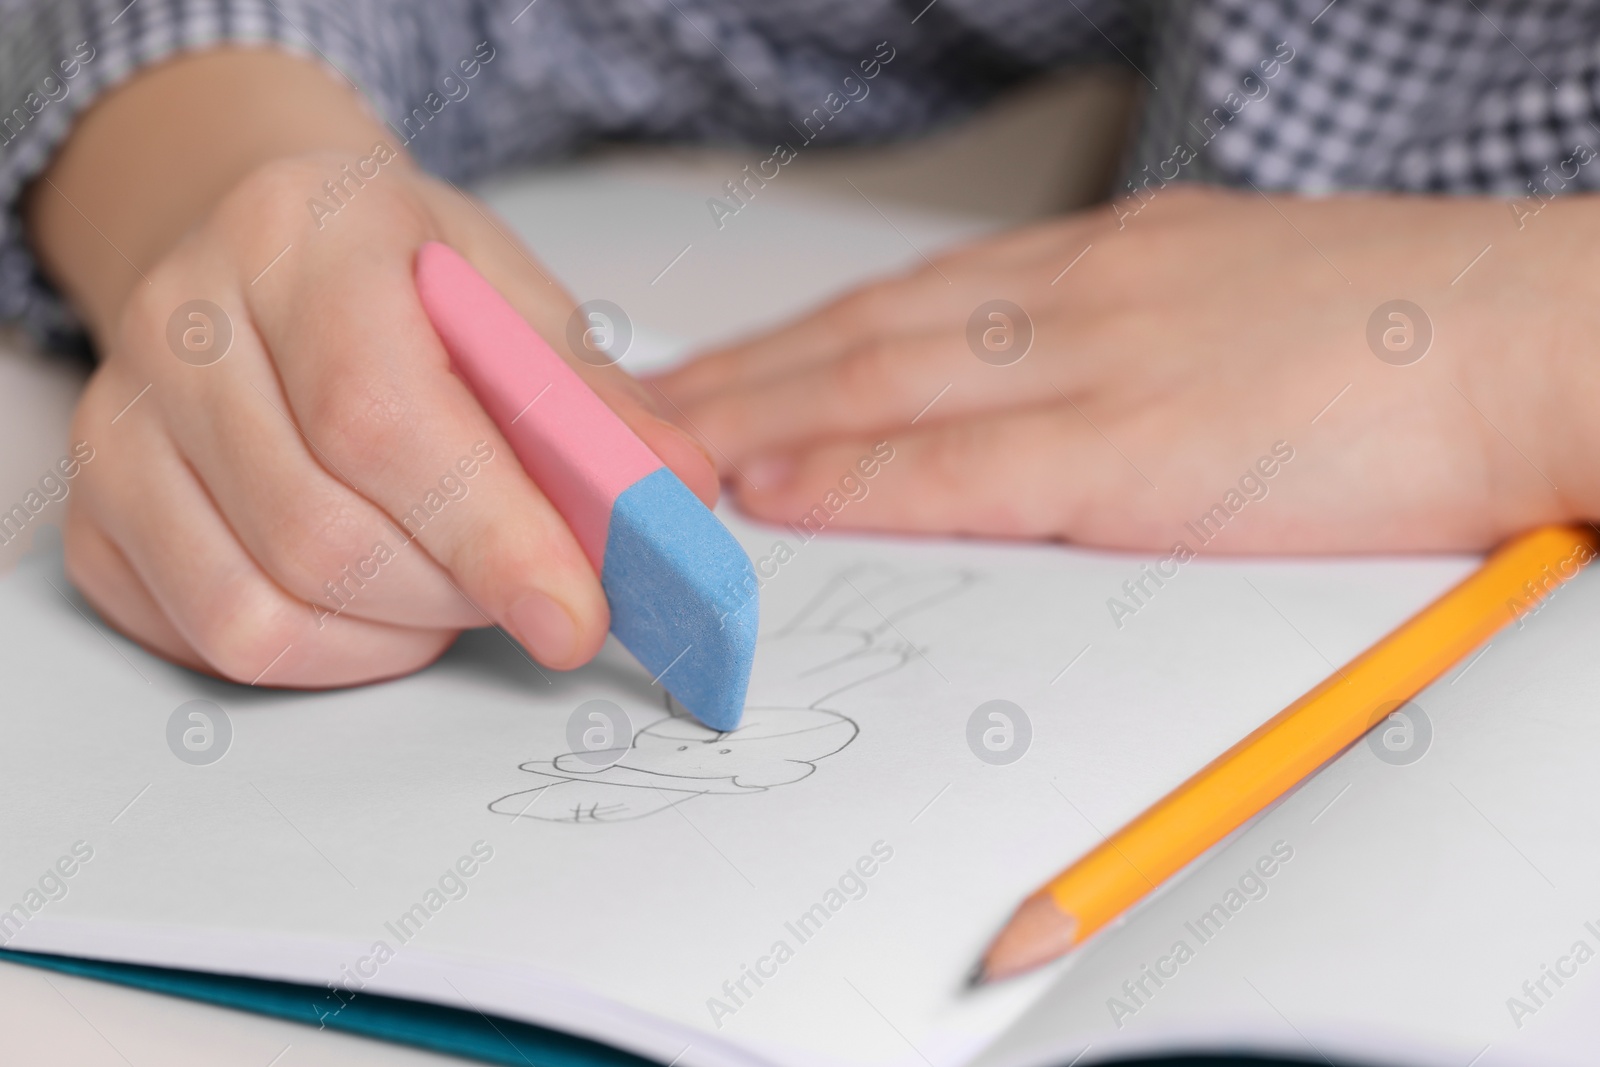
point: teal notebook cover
(456, 1032)
(430, 1026)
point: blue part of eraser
(684, 598)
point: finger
(99, 571)
(501, 258)
(221, 604)
(879, 388)
(941, 295)
(979, 476)
(375, 391)
(309, 531)
(920, 302)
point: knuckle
(284, 177)
(296, 196)
(273, 196)
(362, 421)
(242, 626)
(312, 543)
(871, 372)
(144, 315)
(178, 318)
(280, 184)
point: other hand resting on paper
(1172, 351)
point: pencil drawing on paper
(846, 636)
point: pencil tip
(977, 976)
(1038, 933)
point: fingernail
(767, 473)
(693, 439)
(544, 628)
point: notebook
(810, 889)
(875, 823)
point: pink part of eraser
(579, 452)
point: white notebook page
(634, 902)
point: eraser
(681, 589)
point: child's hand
(1166, 363)
(325, 503)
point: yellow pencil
(1284, 751)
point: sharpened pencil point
(1038, 932)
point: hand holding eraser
(681, 589)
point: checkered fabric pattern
(1485, 96)
(1401, 95)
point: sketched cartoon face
(846, 637)
(773, 746)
